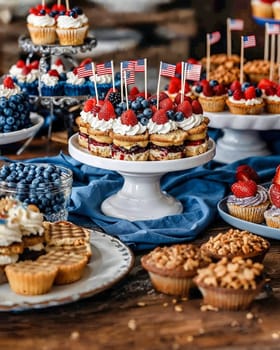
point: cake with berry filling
(14, 107)
(74, 85)
(272, 215)
(50, 84)
(83, 121)
(41, 25)
(130, 138)
(195, 125)
(100, 127)
(245, 100)
(167, 141)
(213, 96)
(248, 200)
(72, 26)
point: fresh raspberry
(196, 107)
(53, 73)
(250, 93)
(129, 118)
(270, 91)
(243, 189)
(89, 104)
(179, 97)
(274, 194)
(8, 83)
(34, 65)
(237, 94)
(192, 60)
(207, 91)
(20, 64)
(107, 111)
(134, 91)
(246, 172)
(162, 96)
(26, 70)
(174, 85)
(186, 108)
(276, 178)
(219, 90)
(166, 104)
(204, 82)
(160, 117)
(235, 85)
(265, 83)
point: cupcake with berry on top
(272, 215)
(271, 95)
(41, 25)
(58, 65)
(245, 99)
(50, 84)
(72, 26)
(75, 85)
(212, 95)
(28, 78)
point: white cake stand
(241, 134)
(141, 197)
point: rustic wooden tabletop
(132, 315)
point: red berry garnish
(246, 172)
(8, 83)
(235, 85)
(237, 94)
(207, 90)
(53, 73)
(129, 118)
(274, 195)
(276, 178)
(196, 107)
(174, 85)
(160, 117)
(20, 64)
(107, 111)
(166, 104)
(242, 189)
(185, 108)
(250, 93)
(89, 104)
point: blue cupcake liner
(76, 90)
(56, 90)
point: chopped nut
(141, 303)
(208, 308)
(178, 308)
(165, 304)
(249, 316)
(75, 335)
(132, 324)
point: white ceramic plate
(260, 229)
(244, 122)
(15, 136)
(111, 261)
(130, 5)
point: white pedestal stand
(141, 197)
(241, 135)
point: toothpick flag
(129, 76)
(192, 71)
(232, 24)
(139, 65)
(249, 41)
(104, 68)
(273, 28)
(85, 71)
(214, 37)
(167, 69)
(128, 65)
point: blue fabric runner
(198, 189)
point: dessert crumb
(249, 316)
(74, 335)
(165, 304)
(141, 303)
(208, 308)
(275, 335)
(132, 325)
(190, 338)
(234, 323)
(178, 308)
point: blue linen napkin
(199, 189)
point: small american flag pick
(249, 41)
(104, 68)
(139, 65)
(214, 37)
(273, 28)
(167, 69)
(85, 71)
(192, 71)
(236, 24)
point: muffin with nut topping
(234, 243)
(172, 269)
(230, 284)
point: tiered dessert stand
(141, 197)
(241, 137)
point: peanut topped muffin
(172, 269)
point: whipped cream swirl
(101, 79)
(49, 80)
(130, 130)
(260, 197)
(40, 21)
(30, 222)
(9, 232)
(190, 122)
(251, 102)
(67, 22)
(9, 92)
(273, 211)
(101, 124)
(165, 128)
(74, 79)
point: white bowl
(130, 5)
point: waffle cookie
(83, 249)
(31, 277)
(70, 265)
(62, 233)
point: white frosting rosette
(165, 128)
(40, 21)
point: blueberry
(10, 120)
(135, 105)
(118, 111)
(198, 89)
(20, 107)
(244, 86)
(258, 92)
(230, 92)
(42, 12)
(78, 10)
(179, 116)
(53, 13)
(8, 111)
(2, 120)
(145, 103)
(171, 114)
(148, 112)
(140, 98)
(122, 105)
(7, 128)
(153, 101)
(213, 82)
(62, 13)
(144, 120)
(139, 116)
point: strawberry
(276, 179)
(134, 91)
(26, 70)
(245, 172)
(53, 73)
(58, 62)
(166, 104)
(242, 189)
(174, 85)
(178, 68)
(8, 83)
(179, 97)
(86, 61)
(89, 104)
(270, 91)
(235, 85)
(34, 65)
(237, 94)
(274, 194)
(187, 87)
(20, 64)
(250, 93)
(192, 60)
(207, 91)
(129, 118)
(107, 111)
(219, 90)
(265, 83)
(186, 108)
(160, 117)
(196, 107)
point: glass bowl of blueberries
(47, 186)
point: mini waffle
(70, 265)
(83, 249)
(65, 233)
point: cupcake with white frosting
(51, 84)
(74, 85)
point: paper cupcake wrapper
(272, 221)
(171, 285)
(273, 107)
(252, 214)
(215, 104)
(72, 36)
(42, 35)
(236, 108)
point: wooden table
(131, 315)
